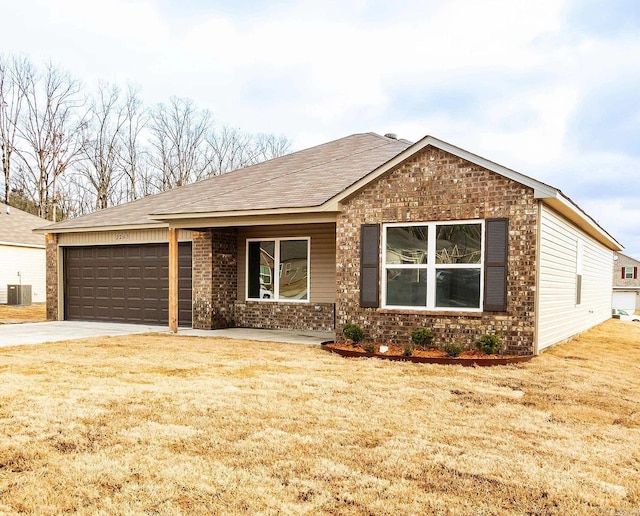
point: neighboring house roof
(311, 180)
(16, 227)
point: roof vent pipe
(393, 136)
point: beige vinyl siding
(30, 262)
(559, 317)
(322, 267)
(132, 236)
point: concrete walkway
(38, 333)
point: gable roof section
(16, 227)
(313, 180)
(551, 196)
(303, 179)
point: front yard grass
(166, 424)
(36, 312)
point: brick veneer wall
(285, 316)
(624, 261)
(215, 291)
(224, 244)
(52, 276)
(215, 277)
(437, 186)
(201, 277)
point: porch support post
(173, 280)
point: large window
(433, 266)
(278, 269)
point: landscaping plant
(353, 332)
(453, 349)
(422, 338)
(489, 344)
(369, 347)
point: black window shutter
(495, 264)
(369, 265)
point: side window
(278, 270)
(433, 265)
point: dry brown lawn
(36, 312)
(161, 424)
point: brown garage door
(125, 283)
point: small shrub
(369, 347)
(422, 337)
(453, 349)
(353, 332)
(407, 349)
(489, 344)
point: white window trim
(278, 267)
(431, 267)
(630, 269)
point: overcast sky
(550, 88)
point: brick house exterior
(626, 282)
(456, 190)
(282, 245)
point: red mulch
(396, 350)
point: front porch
(263, 276)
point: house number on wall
(123, 236)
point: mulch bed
(429, 356)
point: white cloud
(506, 79)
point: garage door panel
(127, 283)
(625, 300)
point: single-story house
(367, 229)
(626, 283)
(22, 256)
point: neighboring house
(626, 282)
(22, 253)
(380, 232)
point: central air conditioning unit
(18, 294)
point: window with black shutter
(496, 255)
(369, 265)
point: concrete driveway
(38, 333)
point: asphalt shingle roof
(16, 227)
(307, 178)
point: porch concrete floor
(51, 331)
(289, 336)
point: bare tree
(230, 149)
(51, 131)
(269, 146)
(13, 72)
(178, 138)
(99, 164)
(133, 158)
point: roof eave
(19, 244)
(124, 227)
(567, 208)
(168, 217)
